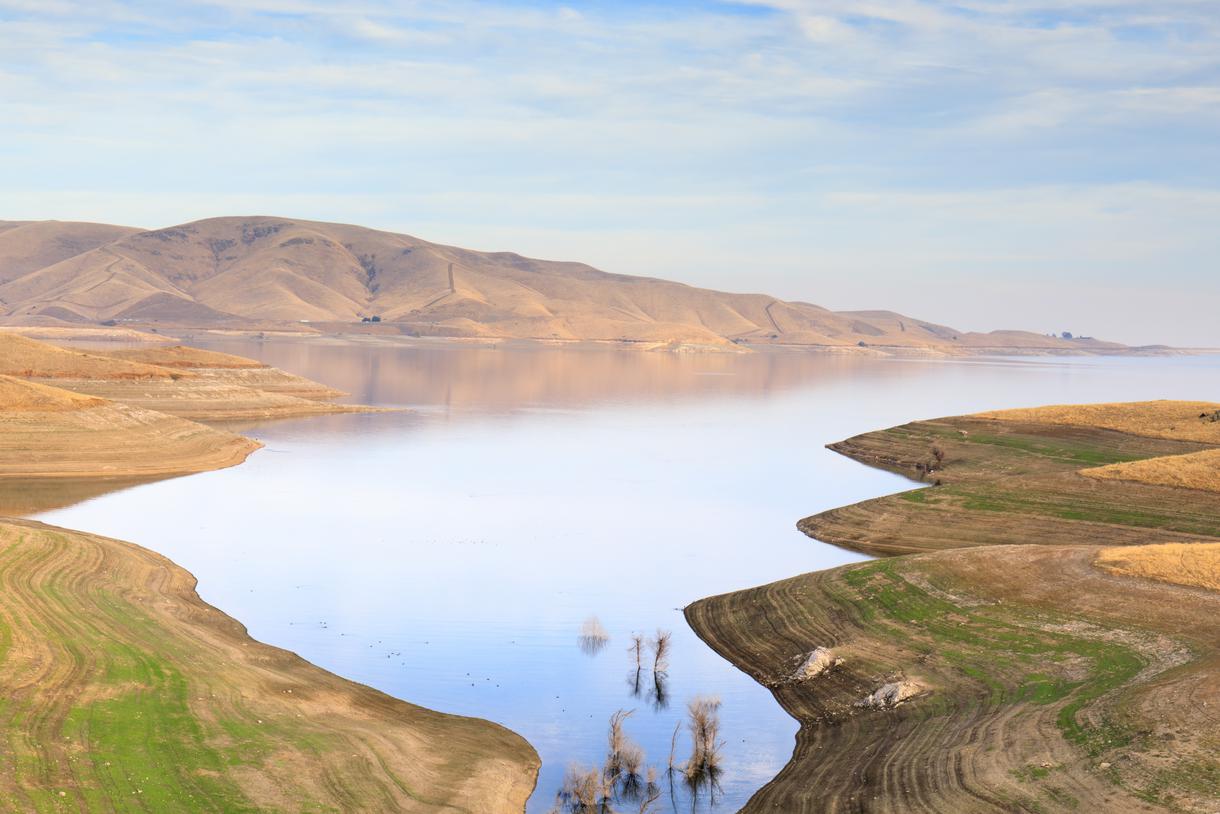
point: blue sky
(989, 163)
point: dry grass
(267, 270)
(185, 382)
(181, 356)
(207, 398)
(1197, 470)
(20, 356)
(1193, 564)
(17, 396)
(46, 432)
(92, 333)
(1177, 420)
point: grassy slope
(125, 692)
(1088, 691)
(1014, 482)
(1053, 685)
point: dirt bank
(50, 433)
(125, 691)
(1041, 656)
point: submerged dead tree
(583, 791)
(704, 726)
(652, 792)
(624, 757)
(660, 646)
(673, 746)
(660, 651)
(637, 649)
(593, 637)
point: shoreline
(242, 678)
(967, 616)
(650, 346)
(403, 756)
(143, 334)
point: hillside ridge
(262, 272)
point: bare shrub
(659, 692)
(631, 760)
(704, 726)
(652, 792)
(618, 746)
(637, 649)
(673, 745)
(660, 645)
(593, 636)
(583, 791)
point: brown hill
(46, 432)
(185, 382)
(27, 246)
(20, 356)
(264, 271)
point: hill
(46, 432)
(27, 246)
(263, 272)
(21, 356)
(184, 382)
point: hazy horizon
(1045, 166)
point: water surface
(450, 554)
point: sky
(1051, 166)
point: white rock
(817, 662)
(888, 696)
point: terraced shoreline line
(181, 381)
(1029, 643)
(124, 691)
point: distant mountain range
(267, 273)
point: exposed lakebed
(450, 554)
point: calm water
(450, 554)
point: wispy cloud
(824, 149)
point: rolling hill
(267, 272)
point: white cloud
(822, 149)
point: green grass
(1073, 452)
(1054, 449)
(1004, 649)
(1064, 504)
(1067, 505)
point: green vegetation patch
(1005, 649)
